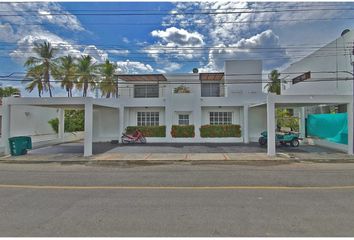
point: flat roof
(218, 76)
(142, 77)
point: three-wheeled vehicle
(283, 137)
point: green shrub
(182, 131)
(73, 121)
(148, 131)
(217, 131)
(55, 124)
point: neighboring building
(327, 71)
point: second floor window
(210, 89)
(146, 91)
(148, 118)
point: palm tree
(108, 85)
(45, 61)
(35, 75)
(86, 72)
(65, 72)
(274, 85)
(9, 91)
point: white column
(168, 121)
(61, 126)
(5, 128)
(88, 128)
(302, 123)
(245, 124)
(270, 126)
(121, 122)
(197, 116)
(350, 128)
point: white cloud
(247, 25)
(172, 66)
(25, 46)
(25, 15)
(99, 55)
(122, 52)
(133, 67)
(249, 48)
(174, 44)
(179, 37)
(125, 40)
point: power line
(168, 10)
(181, 60)
(200, 22)
(178, 14)
(228, 82)
(15, 74)
(158, 47)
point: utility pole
(352, 93)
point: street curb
(151, 162)
(166, 162)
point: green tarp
(332, 127)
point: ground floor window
(220, 118)
(148, 118)
(183, 119)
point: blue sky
(170, 43)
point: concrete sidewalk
(194, 158)
(143, 157)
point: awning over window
(211, 76)
(142, 77)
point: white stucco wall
(257, 122)
(105, 124)
(333, 57)
(31, 120)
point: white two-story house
(195, 99)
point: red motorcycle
(136, 137)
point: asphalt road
(300, 199)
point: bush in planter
(218, 131)
(182, 131)
(148, 131)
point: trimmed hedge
(218, 131)
(148, 131)
(182, 131)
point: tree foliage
(274, 83)
(73, 121)
(9, 91)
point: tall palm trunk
(116, 90)
(47, 78)
(84, 94)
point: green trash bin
(19, 145)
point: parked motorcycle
(136, 137)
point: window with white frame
(183, 119)
(148, 118)
(220, 118)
